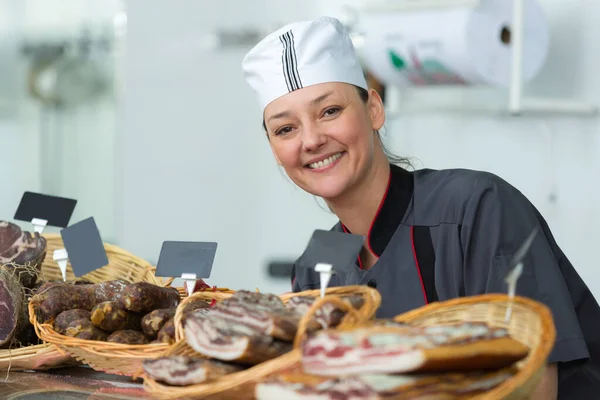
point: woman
(430, 235)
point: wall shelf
(517, 102)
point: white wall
(195, 164)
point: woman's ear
(376, 110)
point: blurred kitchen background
(140, 111)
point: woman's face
(323, 136)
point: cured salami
(55, 298)
(110, 317)
(455, 386)
(458, 347)
(128, 336)
(65, 318)
(84, 329)
(167, 332)
(229, 341)
(145, 297)
(153, 322)
(184, 371)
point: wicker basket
(102, 356)
(122, 265)
(240, 385)
(531, 323)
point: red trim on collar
(412, 241)
(387, 189)
(360, 264)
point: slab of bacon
(222, 339)
(455, 386)
(184, 371)
(267, 318)
(389, 349)
(252, 327)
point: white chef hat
(302, 54)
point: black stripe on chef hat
(289, 62)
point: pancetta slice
(276, 322)
(294, 386)
(388, 349)
(185, 371)
(225, 340)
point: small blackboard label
(56, 210)
(84, 247)
(178, 258)
(330, 247)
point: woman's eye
(331, 111)
(283, 131)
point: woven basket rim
(266, 368)
(536, 362)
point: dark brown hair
(393, 159)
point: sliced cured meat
(381, 387)
(260, 300)
(12, 308)
(195, 304)
(229, 341)
(20, 248)
(386, 349)
(278, 323)
(328, 315)
(9, 233)
(185, 371)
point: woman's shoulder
(449, 193)
(459, 181)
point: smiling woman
(430, 234)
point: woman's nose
(313, 139)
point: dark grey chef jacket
(444, 234)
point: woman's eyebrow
(312, 103)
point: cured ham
(389, 349)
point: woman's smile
(325, 163)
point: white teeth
(324, 163)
